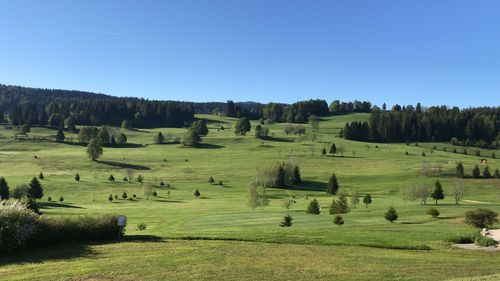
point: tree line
(468, 127)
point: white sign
(122, 221)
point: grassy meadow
(217, 236)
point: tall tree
(438, 193)
(4, 189)
(94, 149)
(333, 185)
(35, 190)
(242, 126)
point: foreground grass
(231, 260)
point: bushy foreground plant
(20, 227)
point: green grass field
(217, 236)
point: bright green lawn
(314, 246)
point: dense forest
(469, 127)
(43, 107)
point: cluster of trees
(261, 132)
(295, 130)
(102, 135)
(298, 112)
(46, 107)
(250, 110)
(242, 126)
(424, 191)
(338, 107)
(476, 172)
(279, 175)
(475, 126)
(193, 136)
(32, 191)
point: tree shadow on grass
(278, 139)
(209, 146)
(49, 205)
(67, 250)
(169, 201)
(307, 185)
(123, 165)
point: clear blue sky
(400, 51)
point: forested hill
(33, 106)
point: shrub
(142, 226)
(314, 207)
(465, 239)
(155, 194)
(481, 217)
(433, 212)
(287, 221)
(338, 220)
(49, 199)
(61, 199)
(17, 226)
(483, 241)
(391, 215)
(124, 195)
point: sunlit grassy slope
(314, 248)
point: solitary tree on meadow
(338, 220)
(287, 221)
(367, 200)
(313, 207)
(438, 193)
(35, 190)
(41, 176)
(333, 149)
(242, 126)
(77, 177)
(333, 185)
(391, 214)
(94, 149)
(459, 170)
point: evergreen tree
(333, 185)
(220, 182)
(103, 135)
(35, 190)
(124, 195)
(391, 214)
(121, 138)
(211, 180)
(280, 177)
(140, 179)
(287, 221)
(4, 189)
(191, 138)
(94, 149)
(438, 193)
(112, 141)
(61, 199)
(367, 200)
(77, 177)
(197, 193)
(242, 126)
(60, 137)
(314, 207)
(296, 175)
(111, 178)
(333, 149)
(486, 173)
(339, 206)
(323, 151)
(338, 220)
(476, 173)
(110, 198)
(497, 173)
(459, 170)
(159, 138)
(41, 176)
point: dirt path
(495, 234)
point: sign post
(122, 222)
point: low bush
(20, 227)
(483, 241)
(464, 239)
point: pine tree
(110, 198)
(140, 179)
(438, 193)
(313, 207)
(124, 195)
(497, 173)
(197, 193)
(486, 173)
(339, 206)
(459, 170)
(296, 175)
(287, 221)
(280, 177)
(220, 182)
(333, 185)
(333, 149)
(211, 180)
(40, 176)
(35, 190)
(159, 138)
(367, 200)
(338, 220)
(77, 177)
(476, 173)
(111, 178)
(61, 199)
(391, 214)
(323, 151)
(60, 137)
(4, 189)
